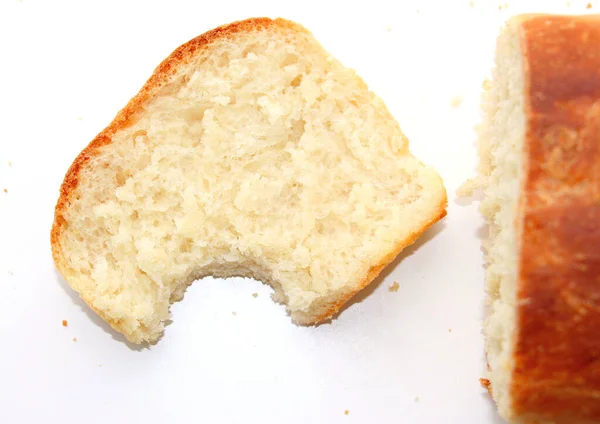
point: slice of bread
(249, 152)
(540, 169)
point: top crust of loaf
(164, 74)
(557, 353)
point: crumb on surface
(80, 118)
(456, 101)
(486, 384)
(346, 412)
(394, 287)
(589, 6)
(255, 295)
(417, 398)
(234, 313)
(74, 339)
(6, 190)
(471, 4)
(9, 163)
(449, 330)
(388, 28)
(10, 272)
(64, 323)
(468, 188)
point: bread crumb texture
(346, 412)
(64, 323)
(257, 154)
(501, 138)
(394, 287)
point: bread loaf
(249, 152)
(540, 169)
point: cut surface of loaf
(250, 152)
(540, 168)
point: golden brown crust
(556, 376)
(126, 117)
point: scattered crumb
(589, 6)
(418, 11)
(417, 399)
(9, 163)
(468, 188)
(471, 4)
(80, 118)
(449, 330)
(388, 28)
(74, 339)
(255, 295)
(456, 101)
(5, 190)
(499, 7)
(234, 313)
(346, 412)
(486, 384)
(64, 323)
(394, 287)
(99, 365)
(10, 272)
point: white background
(414, 356)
